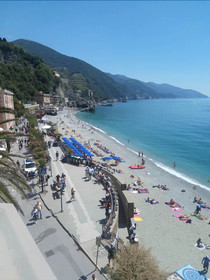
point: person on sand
(152, 200)
(200, 244)
(172, 203)
(197, 210)
(163, 187)
(205, 262)
(186, 219)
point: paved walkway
(81, 219)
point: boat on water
(137, 166)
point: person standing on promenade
(39, 208)
(72, 194)
(131, 229)
(34, 214)
(57, 155)
(111, 254)
(94, 277)
(205, 262)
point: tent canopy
(46, 127)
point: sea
(166, 130)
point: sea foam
(117, 141)
(96, 128)
(179, 175)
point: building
(31, 107)
(42, 99)
(55, 99)
(7, 101)
(45, 100)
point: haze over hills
(137, 89)
(84, 76)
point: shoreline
(170, 240)
(159, 164)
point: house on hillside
(7, 101)
(55, 99)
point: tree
(134, 262)
(10, 175)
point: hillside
(135, 89)
(82, 75)
(165, 90)
(24, 74)
(138, 89)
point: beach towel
(188, 273)
(176, 209)
(202, 248)
(178, 215)
(143, 191)
(137, 218)
(134, 191)
(150, 202)
(177, 205)
(200, 217)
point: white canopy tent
(46, 127)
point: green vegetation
(10, 175)
(102, 84)
(134, 262)
(72, 68)
(23, 73)
(37, 145)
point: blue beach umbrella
(116, 158)
(107, 158)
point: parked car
(30, 168)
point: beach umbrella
(107, 158)
(116, 158)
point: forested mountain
(138, 89)
(82, 75)
(24, 74)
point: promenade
(77, 223)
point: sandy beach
(170, 239)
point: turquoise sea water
(167, 130)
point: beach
(171, 240)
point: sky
(152, 41)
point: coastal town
(94, 195)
